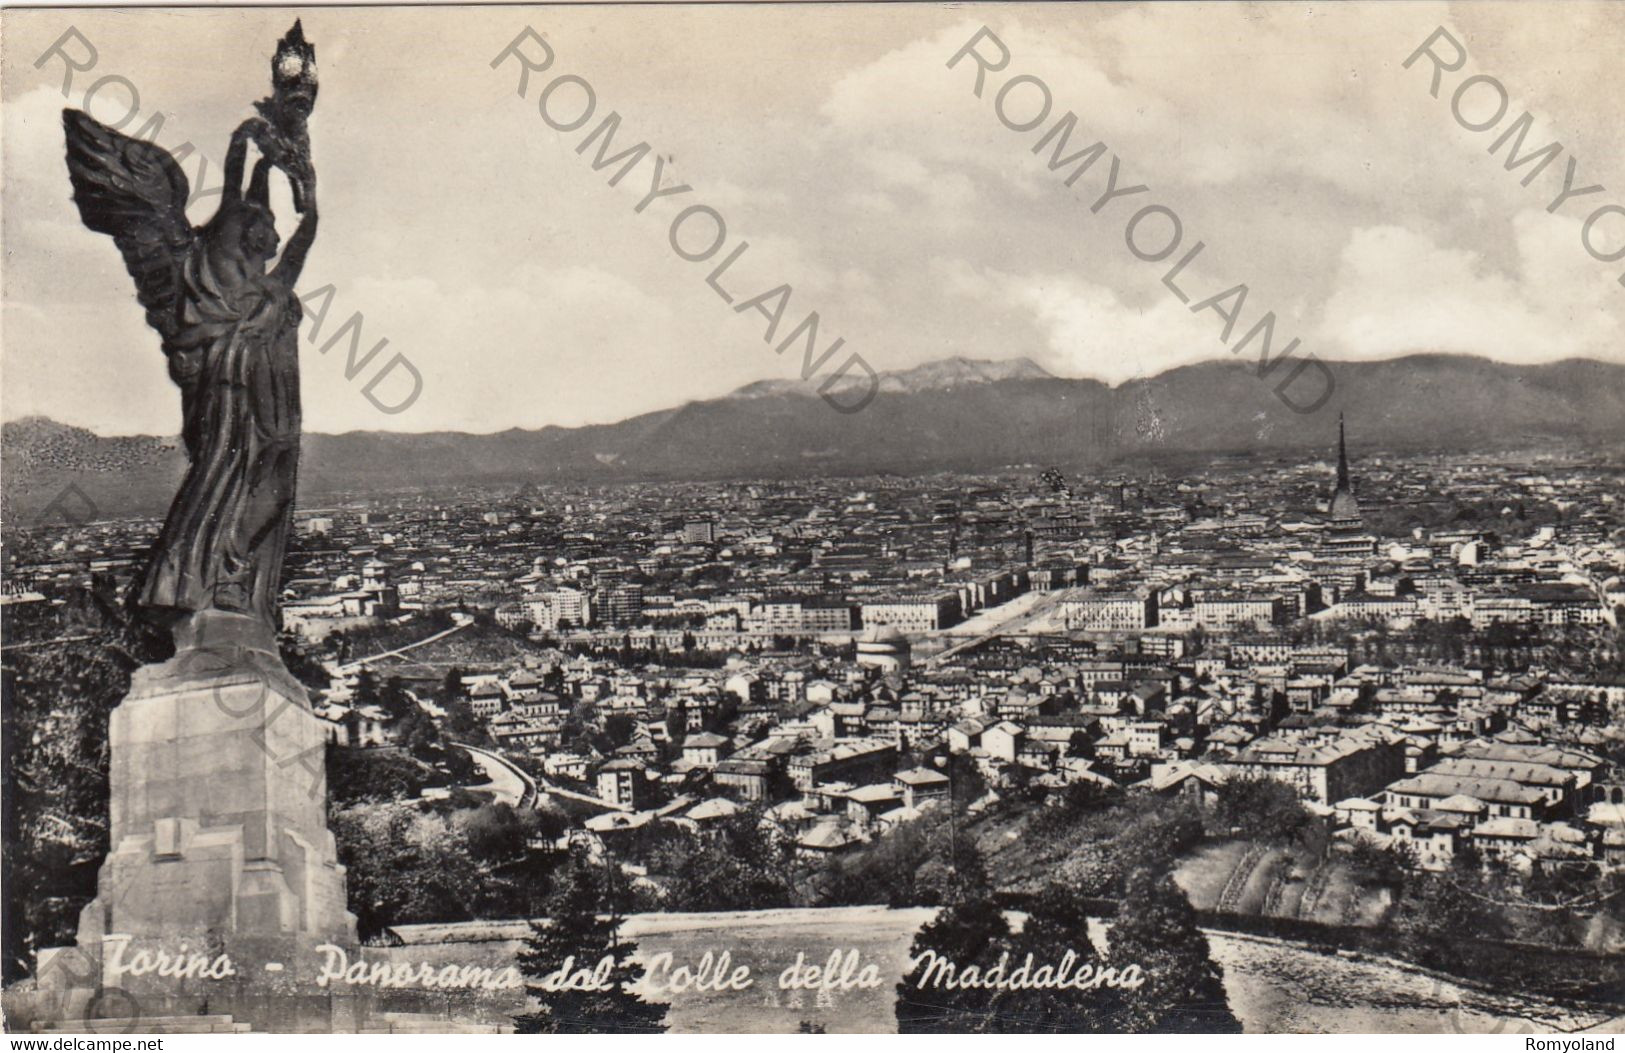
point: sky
(861, 169)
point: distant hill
(954, 414)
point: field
(1272, 985)
(1233, 877)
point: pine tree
(970, 931)
(582, 930)
(395, 700)
(1057, 927)
(366, 690)
(1156, 929)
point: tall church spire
(1342, 458)
(1344, 506)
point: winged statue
(224, 307)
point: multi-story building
(1057, 576)
(1503, 797)
(704, 749)
(1351, 766)
(917, 615)
(1236, 611)
(486, 699)
(1561, 788)
(859, 761)
(826, 615)
(1545, 603)
(624, 781)
(620, 604)
(776, 614)
(562, 607)
(1111, 612)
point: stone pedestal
(218, 799)
(220, 906)
(219, 843)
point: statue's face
(259, 236)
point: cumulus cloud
(1088, 329)
(1400, 290)
(865, 173)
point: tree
(920, 863)
(395, 700)
(734, 865)
(1376, 866)
(968, 932)
(404, 865)
(619, 728)
(582, 929)
(355, 775)
(461, 725)
(495, 832)
(417, 734)
(366, 689)
(1439, 912)
(1156, 930)
(676, 724)
(966, 785)
(56, 704)
(1057, 928)
(1154, 840)
(1264, 809)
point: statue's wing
(134, 191)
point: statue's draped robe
(234, 352)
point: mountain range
(958, 413)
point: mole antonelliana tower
(1345, 534)
(1344, 507)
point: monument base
(218, 799)
(220, 906)
(222, 879)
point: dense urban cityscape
(1423, 648)
(799, 518)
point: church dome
(882, 637)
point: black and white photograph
(811, 517)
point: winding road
(504, 781)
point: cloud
(863, 171)
(539, 349)
(1399, 290)
(1087, 328)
